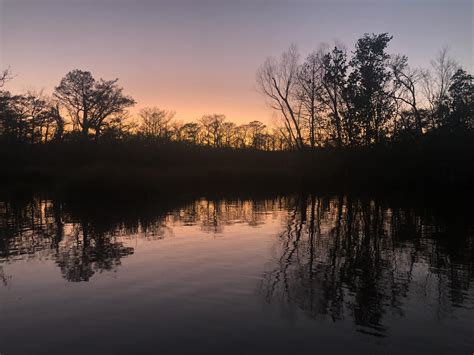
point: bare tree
(278, 80)
(229, 133)
(119, 126)
(212, 129)
(256, 134)
(90, 103)
(5, 76)
(155, 122)
(29, 118)
(176, 130)
(436, 83)
(191, 132)
(310, 77)
(279, 139)
(34, 121)
(406, 82)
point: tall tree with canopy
(334, 85)
(368, 83)
(462, 102)
(89, 102)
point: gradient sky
(200, 56)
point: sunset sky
(200, 56)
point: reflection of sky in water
(278, 275)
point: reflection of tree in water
(341, 258)
(86, 239)
(36, 228)
(337, 258)
(86, 252)
(23, 230)
(4, 279)
(213, 215)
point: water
(288, 275)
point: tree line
(82, 107)
(332, 98)
(370, 98)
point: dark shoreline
(123, 169)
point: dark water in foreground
(288, 275)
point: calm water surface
(288, 275)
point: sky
(200, 57)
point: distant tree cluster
(328, 99)
(210, 130)
(93, 108)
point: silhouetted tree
(10, 125)
(324, 101)
(278, 80)
(8, 118)
(5, 75)
(334, 84)
(176, 131)
(29, 118)
(310, 86)
(59, 121)
(36, 122)
(436, 84)
(241, 135)
(155, 122)
(368, 84)
(406, 82)
(229, 132)
(256, 134)
(212, 129)
(461, 94)
(89, 102)
(191, 132)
